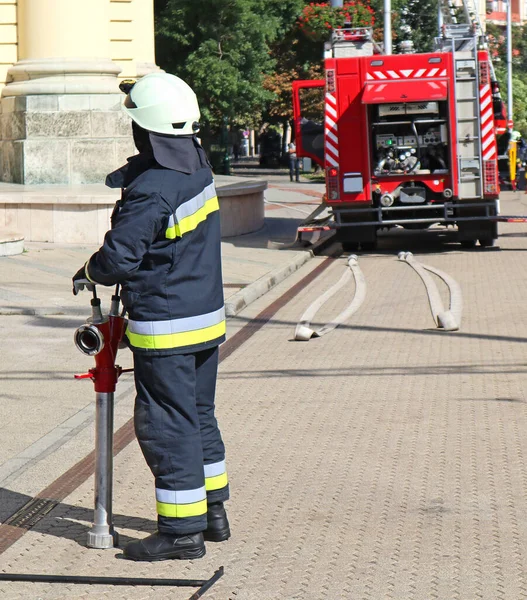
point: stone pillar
(60, 113)
(143, 39)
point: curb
(240, 300)
(11, 244)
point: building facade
(496, 11)
(122, 30)
(60, 66)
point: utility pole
(509, 65)
(387, 26)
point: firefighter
(164, 248)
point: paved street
(38, 316)
(384, 460)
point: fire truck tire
(468, 244)
(417, 226)
(350, 246)
(487, 242)
(368, 246)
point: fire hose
(449, 320)
(304, 332)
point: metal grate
(490, 168)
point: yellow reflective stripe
(216, 483)
(87, 274)
(180, 511)
(176, 340)
(192, 221)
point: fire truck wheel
(468, 244)
(368, 246)
(350, 246)
(487, 242)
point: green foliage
(416, 20)
(519, 96)
(298, 54)
(222, 50)
(319, 18)
(498, 50)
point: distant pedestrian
(235, 142)
(294, 169)
(520, 176)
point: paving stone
(384, 460)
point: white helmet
(162, 103)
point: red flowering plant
(319, 18)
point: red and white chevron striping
(488, 137)
(331, 127)
(406, 74)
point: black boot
(218, 529)
(164, 546)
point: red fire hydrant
(100, 337)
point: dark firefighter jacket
(164, 248)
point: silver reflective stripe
(177, 325)
(180, 497)
(215, 469)
(193, 205)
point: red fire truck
(407, 140)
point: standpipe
(100, 337)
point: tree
(498, 51)
(222, 50)
(417, 21)
(298, 53)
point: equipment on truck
(407, 139)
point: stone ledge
(81, 213)
(11, 243)
(241, 189)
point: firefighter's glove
(81, 281)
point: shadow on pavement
(440, 332)
(275, 230)
(385, 371)
(69, 522)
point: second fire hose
(447, 320)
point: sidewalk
(38, 281)
(39, 314)
(384, 460)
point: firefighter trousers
(179, 436)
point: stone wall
(81, 214)
(63, 139)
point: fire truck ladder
(464, 45)
(464, 40)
